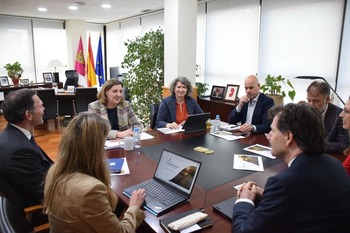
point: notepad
(115, 165)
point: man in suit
(318, 96)
(22, 163)
(311, 195)
(252, 108)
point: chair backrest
(48, 97)
(84, 96)
(153, 115)
(12, 220)
(72, 78)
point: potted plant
(201, 88)
(273, 87)
(14, 71)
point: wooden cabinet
(216, 107)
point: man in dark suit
(318, 96)
(311, 195)
(252, 108)
(22, 163)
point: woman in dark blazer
(174, 110)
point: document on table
(170, 131)
(261, 150)
(116, 143)
(247, 162)
(226, 135)
(145, 136)
(125, 169)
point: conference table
(142, 165)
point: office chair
(72, 78)
(83, 96)
(51, 105)
(153, 115)
(13, 217)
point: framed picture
(48, 77)
(231, 92)
(217, 92)
(4, 82)
(24, 81)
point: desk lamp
(317, 77)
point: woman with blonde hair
(78, 193)
(112, 107)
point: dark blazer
(312, 195)
(167, 110)
(23, 165)
(259, 119)
(337, 137)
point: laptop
(225, 208)
(196, 122)
(171, 185)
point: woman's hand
(172, 125)
(125, 133)
(137, 197)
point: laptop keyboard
(158, 192)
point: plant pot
(15, 81)
(278, 99)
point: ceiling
(88, 10)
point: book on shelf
(164, 222)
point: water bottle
(137, 138)
(216, 124)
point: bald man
(252, 108)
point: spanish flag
(91, 75)
(79, 60)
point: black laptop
(225, 208)
(196, 122)
(172, 183)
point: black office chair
(51, 105)
(72, 78)
(83, 96)
(153, 115)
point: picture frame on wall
(231, 92)
(4, 81)
(217, 92)
(48, 77)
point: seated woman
(345, 115)
(174, 110)
(78, 196)
(111, 106)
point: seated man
(22, 163)
(311, 195)
(252, 108)
(318, 96)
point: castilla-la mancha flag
(91, 74)
(79, 60)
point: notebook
(225, 208)
(171, 185)
(115, 165)
(196, 122)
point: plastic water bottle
(137, 138)
(216, 124)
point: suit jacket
(23, 165)
(167, 110)
(337, 137)
(126, 116)
(84, 207)
(312, 195)
(259, 118)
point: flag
(79, 60)
(99, 64)
(91, 75)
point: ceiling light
(42, 9)
(73, 8)
(106, 6)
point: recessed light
(42, 9)
(106, 6)
(74, 8)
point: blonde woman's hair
(81, 151)
(101, 96)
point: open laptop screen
(177, 171)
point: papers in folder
(116, 143)
(170, 131)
